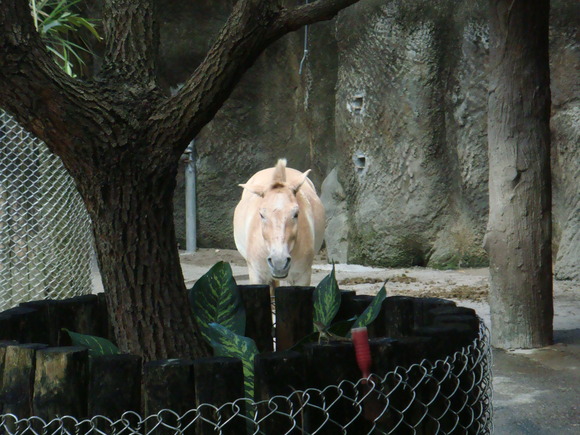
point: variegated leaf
(227, 343)
(372, 311)
(342, 328)
(97, 346)
(326, 299)
(215, 298)
(313, 337)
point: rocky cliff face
(390, 111)
(410, 118)
(565, 126)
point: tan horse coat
(279, 225)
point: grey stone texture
(389, 110)
(334, 199)
(417, 201)
(565, 126)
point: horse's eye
(262, 216)
(295, 216)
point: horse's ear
(299, 185)
(254, 188)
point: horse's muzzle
(279, 267)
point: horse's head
(279, 213)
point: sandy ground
(536, 392)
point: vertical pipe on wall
(190, 203)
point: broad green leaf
(326, 299)
(335, 331)
(98, 346)
(372, 311)
(313, 337)
(227, 343)
(342, 328)
(215, 298)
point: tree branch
(55, 107)
(299, 16)
(32, 86)
(252, 26)
(58, 108)
(132, 41)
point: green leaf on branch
(58, 24)
(227, 343)
(97, 346)
(372, 311)
(215, 298)
(326, 299)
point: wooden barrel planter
(430, 373)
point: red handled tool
(360, 339)
(372, 406)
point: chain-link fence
(434, 397)
(45, 237)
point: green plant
(227, 343)
(215, 298)
(97, 346)
(372, 311)
(59, 25)
(218, 309)
(326, 304)
(326, 301)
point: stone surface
(565, 125)
(423, 197)
(334, 200)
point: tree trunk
(134, 234)
(519, 229)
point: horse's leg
(273, 284)
(302, 279)
(254, 275)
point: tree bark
(133, 226)
(121, 140)
(519, 230)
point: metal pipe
(190, 200)
(305, 53)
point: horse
(279, 226)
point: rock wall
(565, 125)
(407, 76)
(390, 111)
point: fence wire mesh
(45, 235)
(434, 397)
